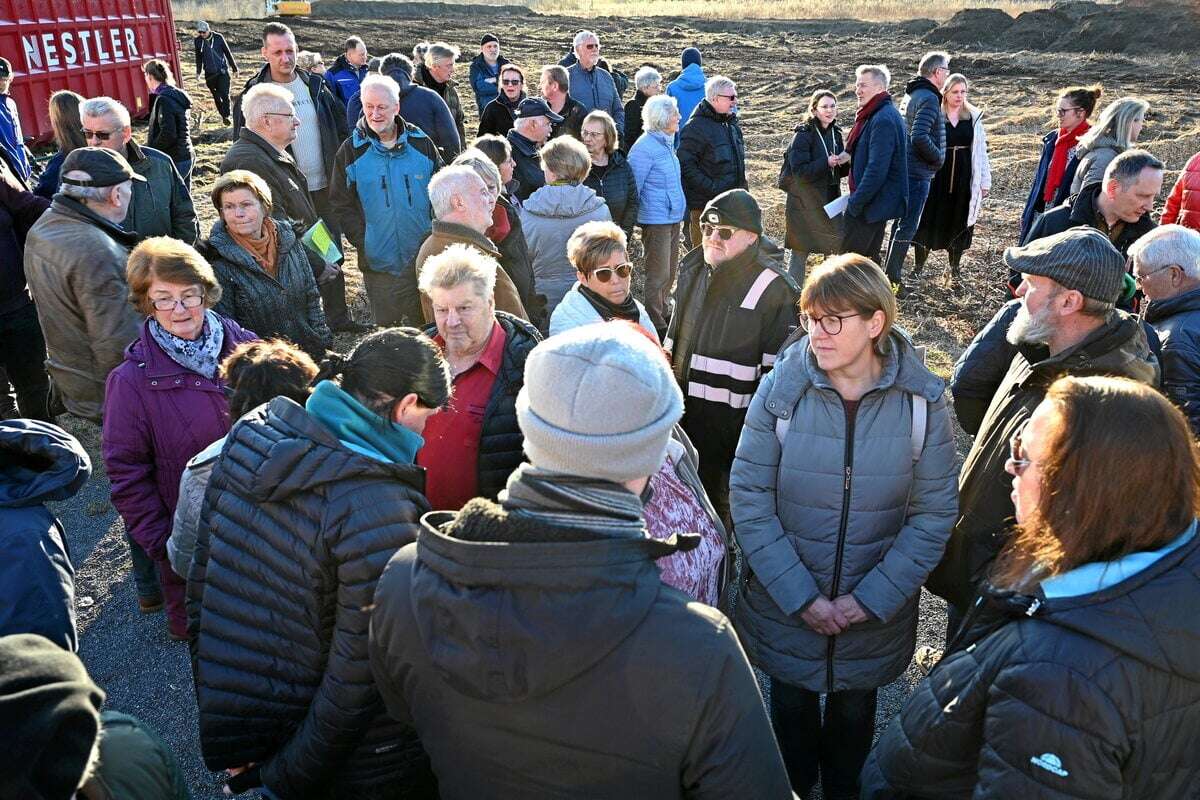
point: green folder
(320, 241)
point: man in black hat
(485, 71)
(12, 142)
(735, 304)
(214, 60)
(533, 123)
(75, 258)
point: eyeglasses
(730, 97)
(1139, 279)
(830, 323)
(592, 46)
(1062, 112)
(1017, 463)
(279, 113)
(724, 233)
(187, 301)
(604, 274)
(591, 134)
(102, 136)
(507, 82)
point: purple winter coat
(157, 415)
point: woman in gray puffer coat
(843, 494)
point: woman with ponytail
(305, 507)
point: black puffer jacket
(296, 530)
(618, 188)
(1093, 695)
(1081, 209)
(169, 130)
(926, 128)
(712, 155)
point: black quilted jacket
(1091, 696)
(296, 531)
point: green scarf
(361, 429)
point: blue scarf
(361, 429)
(201, 355)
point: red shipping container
(93, 47)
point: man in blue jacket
(878, 147)
(592, 85)
(419, 106)
(214, 60)
(380, 193)
(39, 462)
(688, 88)
(348, 70)
(926, 151)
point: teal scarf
(361, 429)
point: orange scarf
(266, 250)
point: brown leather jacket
(445, 234)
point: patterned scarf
(201, 355)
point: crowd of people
(533, 534)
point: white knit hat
(599, 401)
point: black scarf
(609, 310)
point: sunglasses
(1062, 112)
(730, 97)
(103, 136)
(723, 233)
(592, 46)
(1017, 462)
(604, 274)
(507, 82)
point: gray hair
(305, 59)
(451, 181)
(439, 50)
(1166, 245)
(582, 37)
(718, 84)
(85, 194)
(646, 77)
(933, 60)
(877, 71)
(353, 43)
(105, 107)
(456, 265)
(522, 124)
(418, 52)
(382, 82)
(559, 75)
(262, 99)
(1126, 167)
(484, 167)
(657, 112)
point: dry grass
(872, 10)
(217, 10)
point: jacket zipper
(408, 188)
(848, 469)
(383, 185)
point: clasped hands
(831, 617)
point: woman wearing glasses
(264, 270)
(603, 289)
(1052, 181)
(1075, 674)
(843, 494)
(165, 403)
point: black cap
(536, 107)
(489, 37)
(736, 208)
(5, 68)
(106, 167)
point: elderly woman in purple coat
(162, 405)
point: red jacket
(1183, 206)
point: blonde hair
(1115, 122)
(851, 282)
(609, 126)
(456, 265)
(593, 243)
(171, 261)
(567, 158)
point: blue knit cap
(692, 56)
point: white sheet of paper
(835, 207)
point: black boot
(920, 256)
(955, 261)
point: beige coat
(445, 234)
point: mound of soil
(1077, 9)
(1037, 30)
(1144, 28)
(972, 26)
(383, 9)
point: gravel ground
(147, 675)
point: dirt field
(776, 64)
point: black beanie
(49, 718)
(489, 37)
(737, 208)
(691, 55)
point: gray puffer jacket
(1094, 158)
(549, 216)
(839, 509)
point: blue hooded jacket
(38, 462)
(688, 91)
(421, 107)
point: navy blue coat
(343, 79)
(38, 462)
(18, 211)
(1035, 204)
(1177, 321)
(879, 167)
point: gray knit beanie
(599, 401)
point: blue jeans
(904, 231)
(145, 573)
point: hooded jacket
(498, 115)
(421, 107)
(596, 90)
(528, 170)
(1177, 321)
(1183, 204)
(548, 217)
(170, 130)
(39, 463)
(1081, 209)
(810, 183)
(380, 195)
(922, 109)
(161, 205)
(448, 91)
(75, 266)
(564, 665)
(840, 507)
(283, 679)
(344, 78)
(213, 55)
(619, 190)
(485, 80)
(688, 91)
(1079, 689)
(1093, 159)
(712, 155)
(1118, 347)
(286, 305)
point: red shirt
(451, 452)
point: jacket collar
(1114, 346)
(1159, 310)
(73, 208)
(134, 153)
(1096, 577)
(364, 134)
(282, 156)
(220, 240)
(921, 82)
(454, 230)
(526, 146)
(1085, 207)
(149, 356)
